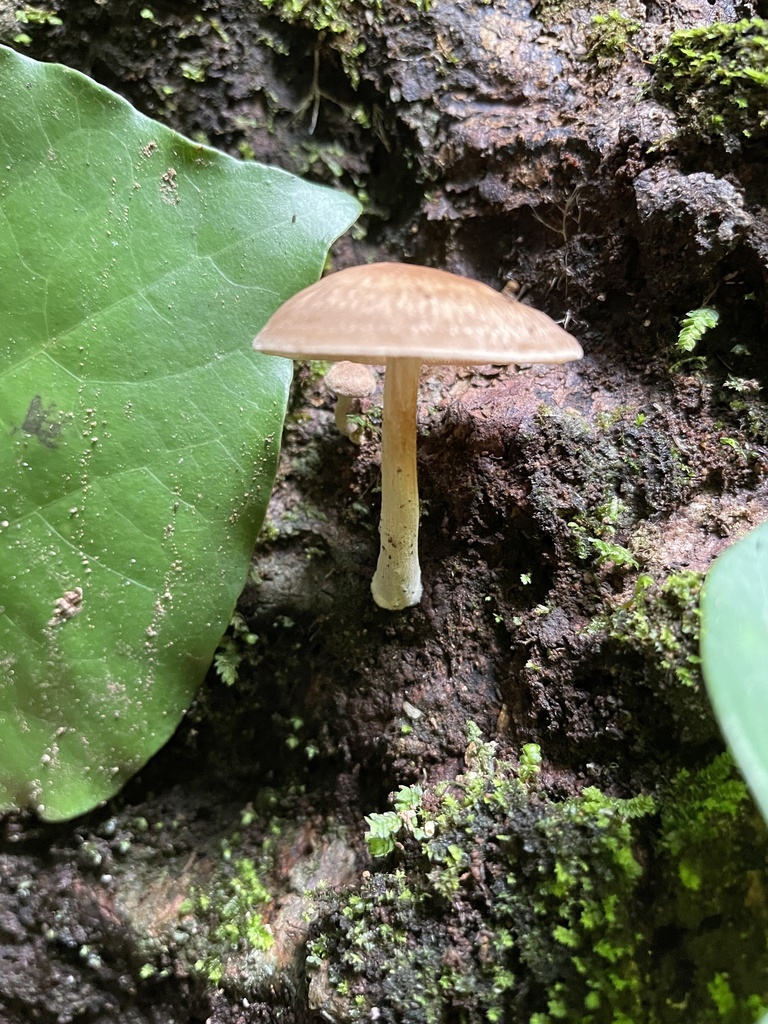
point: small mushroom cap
(352, 380)
(379, 311)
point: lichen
(716, 77)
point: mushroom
(404, 315)
(348, 380)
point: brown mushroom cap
(351, 380)
(374, 312)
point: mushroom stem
(397, 581)
(342, 410)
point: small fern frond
(694, 326)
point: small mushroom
(348, 381)
(404, 315)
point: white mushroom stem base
(397, 581)
(340, 413)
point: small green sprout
(28, 15)
(530, 762)
(383, 830)
(33, 16)
(232, 648)
(620, 556)
(407, 818)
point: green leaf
(139, 430)
(408, 798)
(734, 654)
(382, 830)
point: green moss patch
(497, 903)
(501, 906)
(717, 78)
(342, 23)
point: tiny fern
(232, 648)
(694, 326)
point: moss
(228, 914)
(607, 475)
(717, 78)
(711, 909)
(748, 410)
(594, 534)
(696, 803)
(661, 622)
(342, 23)
(502, 906)
(609, 37)
(550, 12)
(694, 326)
(499, 904)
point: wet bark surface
(520, 144)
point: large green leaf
(139, 430)
(734, 654)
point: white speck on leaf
(67, 607)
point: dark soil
(509, 142)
